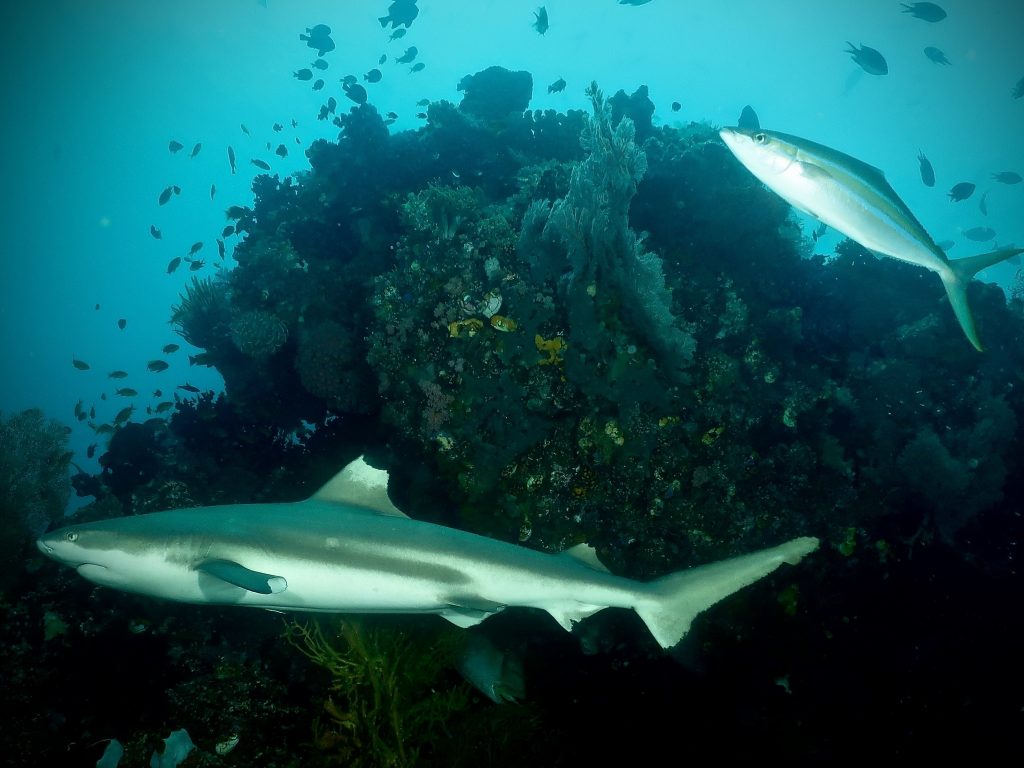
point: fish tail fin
(959, 277)
(670, 604)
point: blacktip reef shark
(348, 549)
(854, 198)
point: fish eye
(71, 536)
(760, 138)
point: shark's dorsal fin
(360, 485)
(587, 555)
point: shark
(348, 549)
(855, 198)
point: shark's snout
(45, 548)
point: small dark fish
(303, 74)
(324, 112)
(155, 232)
(421, 115)
(418, 67)
(558, 86)
(228, 231)
(1018, 90)
(173, 264)
(122, 323)
(924, 11)
(195, 150)
(338, 122)
(220, 248)
(961, 191)
(165, 196)
(156, 366)
(927, 172)
(203, 358)
(819, 233)
(124, 414)
(170, 349)
(231, 159)
(244, 129)
(408, 56)
(869, 59)
(332, 104)
(935, 55)
(348, 80)
(92, 412)
(177, 189)
(318, 85)
(391, 115)
(268, 146)
(423, 103)
(295, 123)
(983, 204)
(163, 407)
(157, 393)
(90, 451)
(104, 429)
(80, 364)
(235, 212)
(175, 147)
(319, 64)
(373, 76)
(400, 12)
(261, 164)
(980, 234)
(540, 20)
(97, 307)
(1007, 177)
(319, 39)
(357, 93)
(188, 387)
(748, 119)
(213, 191)
(676, 106)
(382, 59)
(126, 392)
(196, 248)
(117, 375)
(79, 411)
(277, 127)
(281, 151)
(196, 265)
(397, 34)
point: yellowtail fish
(854, 198)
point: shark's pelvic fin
(240, 576)
(672, 602)
(469, 611)
(360, 485)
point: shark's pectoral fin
(240, 576)
(470, 611)
(567, 615)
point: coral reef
(34, 483)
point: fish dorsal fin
(585, 554)
(360, 485)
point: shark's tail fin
(959, 277)
(671, 603)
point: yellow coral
(554, 348)
(470, 326)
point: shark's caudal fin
(672, 602)
(959, 278)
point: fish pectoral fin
(470, 611)
(240, 576)
(567, 615)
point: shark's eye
(760, 138)
(71, 536)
